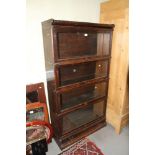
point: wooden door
(116, 12)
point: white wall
(41, 10)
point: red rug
(83, 147)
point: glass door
(82, 95)
(83, 116)
(79, 42)
(72, 73)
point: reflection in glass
(35, 114)
(80, 117)
(79, 44)
(84, 94)
(70, 74)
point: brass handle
(86, 34)
(74, 70)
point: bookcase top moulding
(83, 24)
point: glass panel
(85, 71)
(78, 44)
(80, 117)
(106, 44)
(84, 94)
(32, 97)
(35, 114)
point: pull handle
(86, 34)
(74, 70)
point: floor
(106, 139)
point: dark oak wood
(79, 106)
(82, 134)
(75, 23)
(64, 62)
(79, 53)
(80, 84)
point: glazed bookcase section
(81, 96)
(73, 73)
(80, 42)
(80, 117)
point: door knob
(74, 70)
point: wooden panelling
(116, 12)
